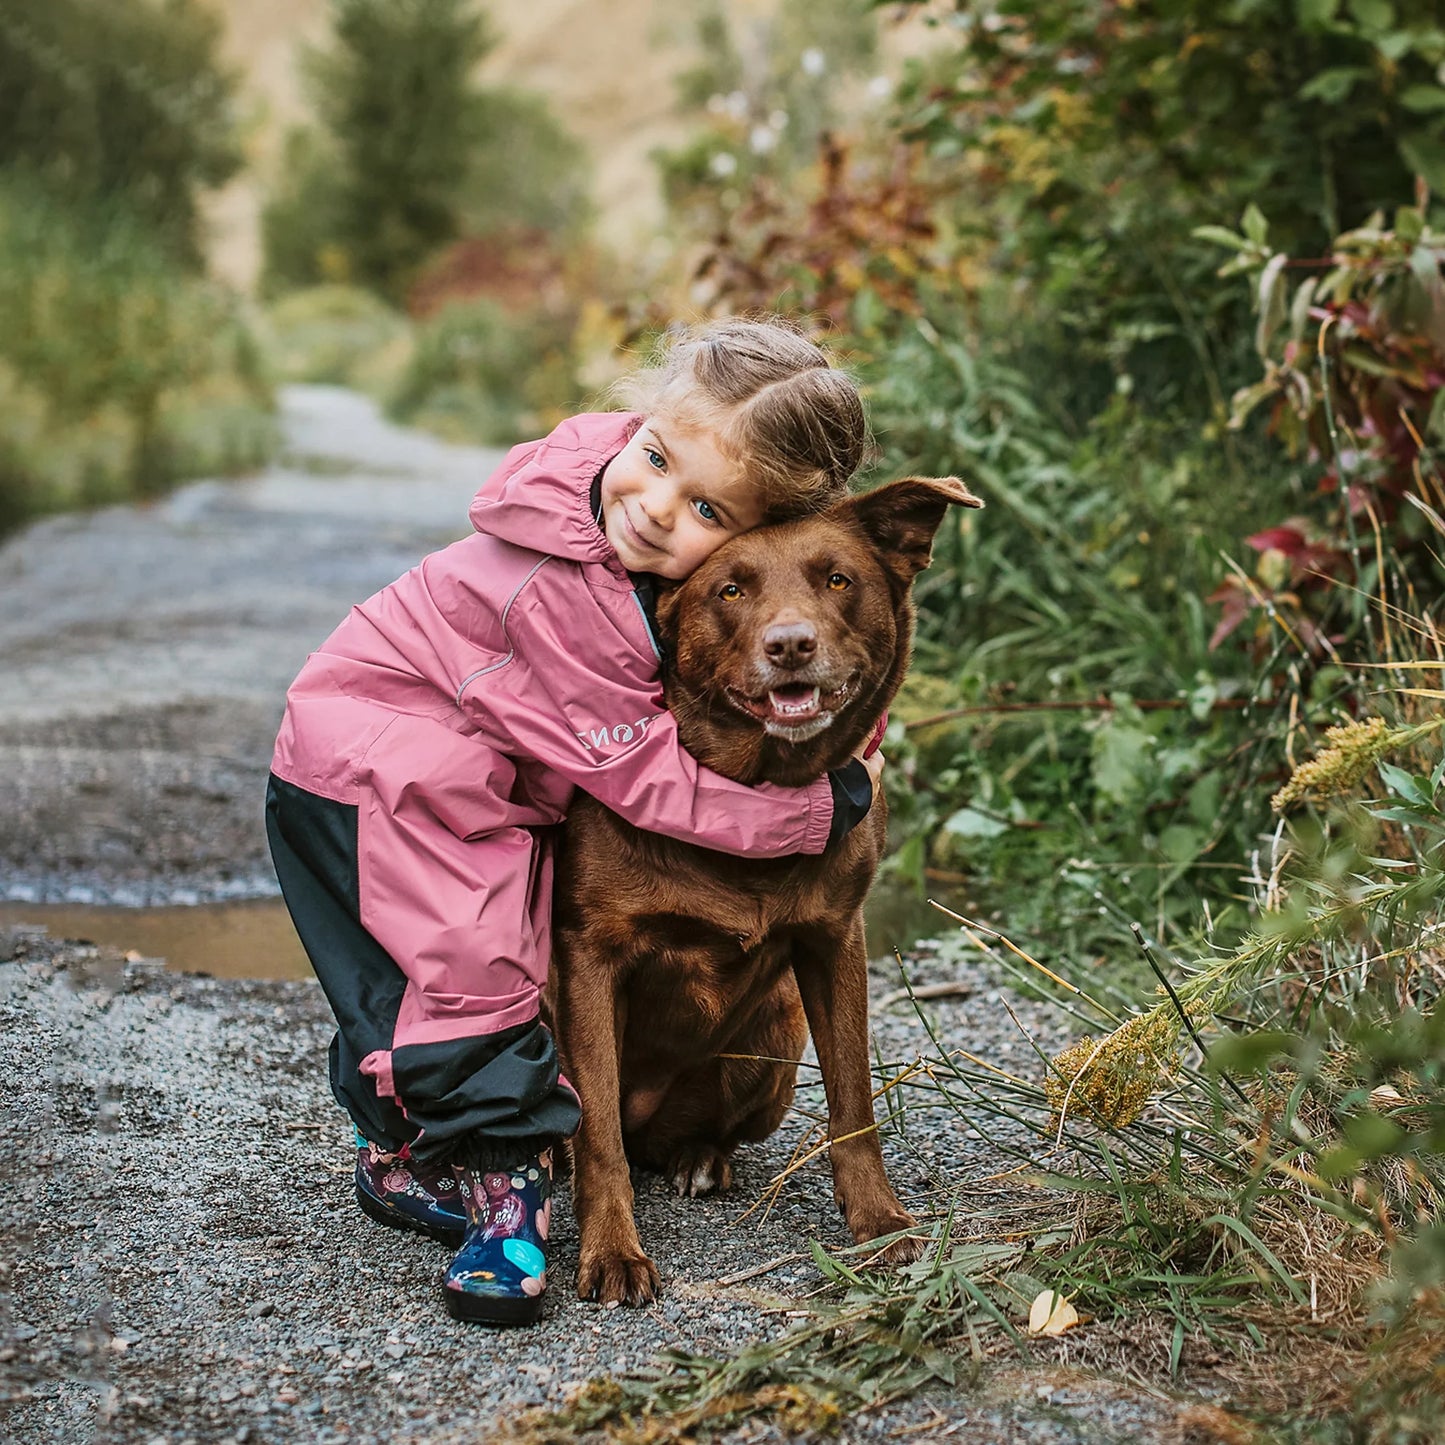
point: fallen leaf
(1386, 1097)
(1051, 1314)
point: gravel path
(182, 1260)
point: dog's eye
(838, 582)
(731, 592)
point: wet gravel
(180, 1256)
(184, 1262)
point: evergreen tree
(394, 93)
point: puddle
(255, 939)
(229, 940)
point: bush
(104, 346)
(483, 373)
(1066, 641)
(1085, 138)
(337, 334)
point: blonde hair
(780, 410)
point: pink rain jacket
(458, 709)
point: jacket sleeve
(606, 730)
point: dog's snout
(790, 644)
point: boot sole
(479, 1310)
(378, 1212)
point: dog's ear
(901, 518)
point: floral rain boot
(402, 1193)
(500, 1272)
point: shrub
(481, 372)
(1086, 138)
(1354, 358)
(102, 339)
(338, 334)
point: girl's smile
(670, 499)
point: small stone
(260, 1310)
(395, 1349)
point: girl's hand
(874, 764)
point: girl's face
(670, 499)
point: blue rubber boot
(500, 1273)
(403, 1193)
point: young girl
(432, 744)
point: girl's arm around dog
(608, 733)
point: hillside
(607, 69)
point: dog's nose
(790, 644)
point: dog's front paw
(701, 1170)
(903, 1250)
(617, 1277)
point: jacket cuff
(852, 797)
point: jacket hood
(541, 496)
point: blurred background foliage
(1160, 280)
(122, 368)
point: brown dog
(785, 647)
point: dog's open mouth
(793, 710)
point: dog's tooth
(803, 704)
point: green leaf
(1424, 153)
(1221, 236)
(1247, 398)
(1204, 797)
(1373, 14)
(1371, 1136)
(1254, 224)
(1121, 756)
(1299, 308)
(1422, 99)
(1181, 844)
(968, 823)
(1316, 12)
(1252, 1053)
(1273, 302)
(1394, 44)
(1402, 784)
(1338, 1163)
(1409, 223)
(1368, 362)
(1333, 85)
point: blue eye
(655, 458)
(705, 511)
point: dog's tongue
(794, 702)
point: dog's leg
(708, 1112)
(612, 1266)
(834, 987)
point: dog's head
(789, 641)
